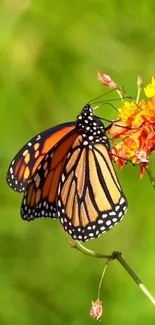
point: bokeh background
(50, 52)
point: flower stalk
(114, 256)
(151, 177)
(139, 86)
(102, 276)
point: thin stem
(89, 252)
(135, 277)
(102, 276)
(119, 258)
(139, 86)
(119, 92)
(138, 95)
(114, 256)
(151, 177)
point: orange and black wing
(25, 163)
(79, 186)
(40, 197)
(90, 198)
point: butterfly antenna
(107, 93)
(98, 104)
(103, 102)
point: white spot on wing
(120, 214)
(104, 215)
(122, 200)
(117, 207)
(112, 213)
(11, 170)
(100, 221)
(108, 222)
(45, 165)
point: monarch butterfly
(66, 173)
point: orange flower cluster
(134, 133)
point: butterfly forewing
(25, 163)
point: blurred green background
(50, 52)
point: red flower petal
(142, 171)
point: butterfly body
(92, 129)
(75, 181)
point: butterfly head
(91, 126)
(86, 119)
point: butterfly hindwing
(90, 199)
(25, 163)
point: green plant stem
(102, 276)
(114, 256)
(135, 278)
(151, 177)
(120, 94)
(139, 86)
(89, 252)
(138, 95)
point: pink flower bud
(96, 309)
(106, 80)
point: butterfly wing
(40, 198)
(79, 186)
(25, 163)
(90, 198)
